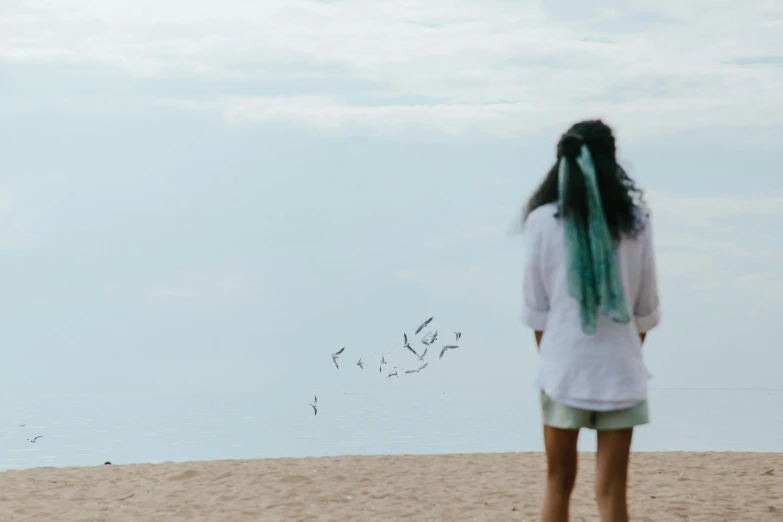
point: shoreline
(663, 486)
(582, 454)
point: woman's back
(600, 371)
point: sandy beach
(503, 486)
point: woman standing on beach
(590, 295)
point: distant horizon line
(715, 388)
(240, 392)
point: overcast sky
(215, 195)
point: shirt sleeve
(647, 310)
(535, 299)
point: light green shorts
(559, 415)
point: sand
(664, 487)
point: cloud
(46, 300)
(493, 182)
(15, 224)
(221, 285)
(768, 285)
(406, 274)
(20, 224)
(498, 68)
(331, 115)
(703, 243)
(470, 233)
(720, 241)
(705, 209)
(757, 60)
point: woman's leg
(611, 475)
(561, 459)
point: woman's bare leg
(611, 475)
(561, 459)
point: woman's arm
(534, 295)
(646, 310)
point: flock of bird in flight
(34, 438)
(428, 339)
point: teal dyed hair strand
(592, 270)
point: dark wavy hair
(622, 199)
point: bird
(417, 370)
(421, 357)
(314, 405)
(447, 347)
(335, 355)
(423, 325)
(430, 338)
(22, 425)
(408, 345)
(392, 374)
(457, 335)
(360, 364)
(35, 439)
(383, 356)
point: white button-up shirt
(599, 372)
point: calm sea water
(394, 420)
